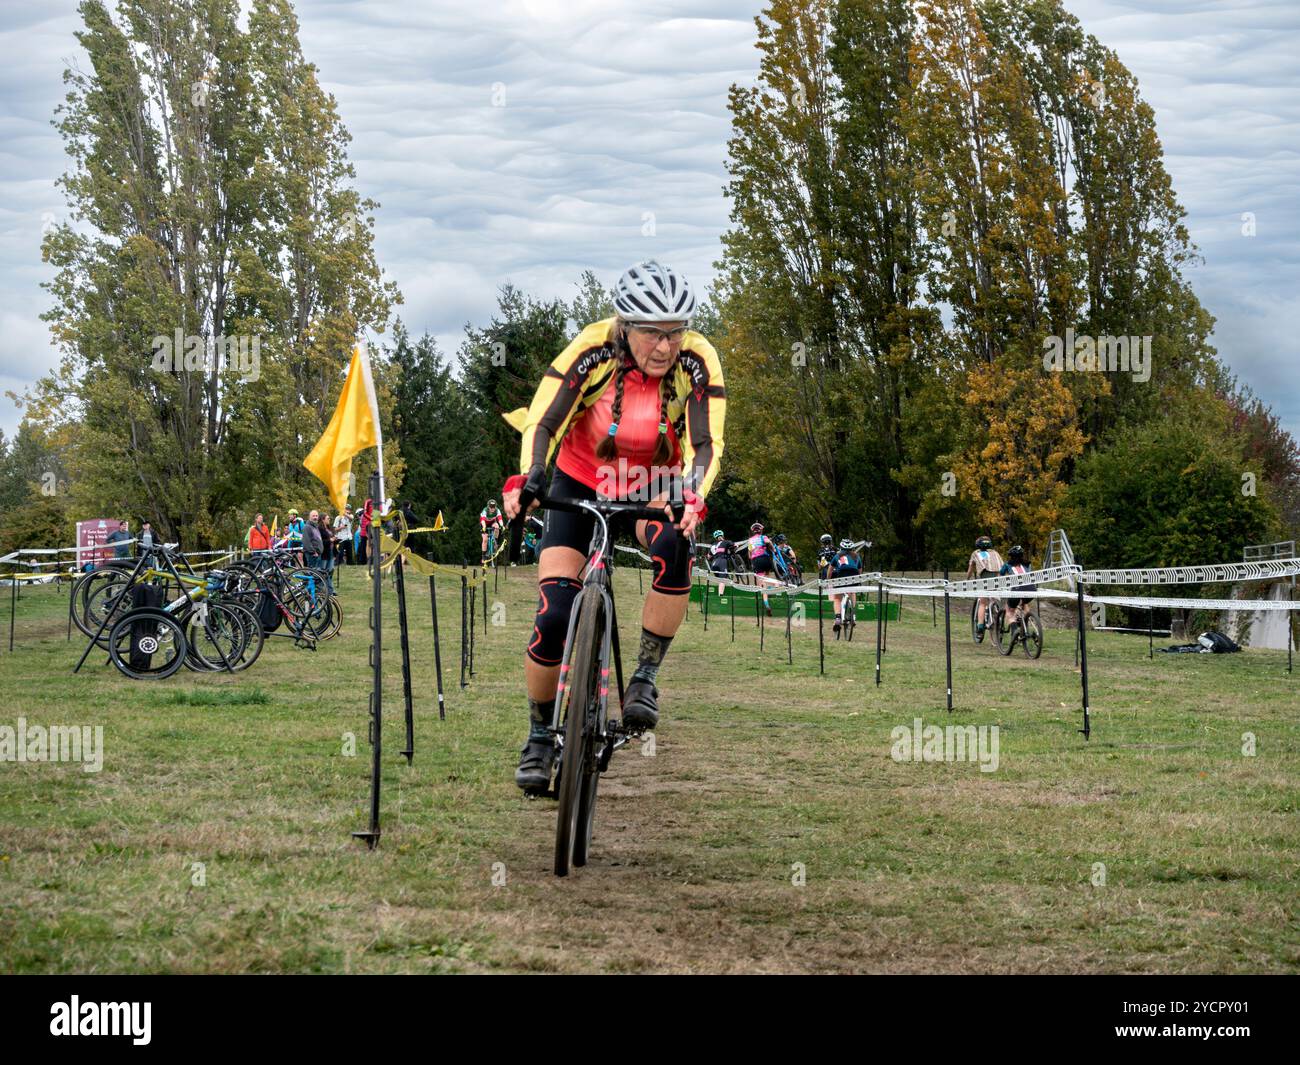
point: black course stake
(464, 599)
(473, 606)
(789, 650)
(885, 644)
(732, 597)
(933, 621)
(705, 587)
(409, 749)
(437, 648)
(1083, 663)
(1151, 645)
(947, 635)
(880, 599)
(821, 634)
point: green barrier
(720, 601)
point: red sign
(91, 535)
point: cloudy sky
(614, 123)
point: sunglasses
(650, 332)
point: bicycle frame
(596, 580)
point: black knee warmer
(554, 605)
(671, 554)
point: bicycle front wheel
(147, 644)
(578, 761)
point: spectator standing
(363, 550)
(311, 541)
(327, 544)
(121, 536)
(259, 536)
(343, 536)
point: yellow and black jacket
(579, 376)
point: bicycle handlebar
(607, 508)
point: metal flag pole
(371, 835)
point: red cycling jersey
(638, 435)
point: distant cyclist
(720, 554)
(788, 557)
(637, 392)
(1015, 563)
(492, 522)
(760, 550)
(844, 563)
(984, 562)
(825, 552)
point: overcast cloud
(616, 111)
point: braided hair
(607, 449)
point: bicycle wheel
(97, 596)
(147, 644)
(333, 619)
(578, 758)
(1006, 636)
(216, 637)
(1033, 636)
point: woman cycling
(634, 394)
(1015, 564)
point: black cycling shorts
(671, 556)
(763, 564)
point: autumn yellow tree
(1025, 429)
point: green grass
(216, 837)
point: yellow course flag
(516, 418)
(438, 526)
(274, 523)
(354, 427)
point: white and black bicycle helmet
(826, 539)
(846, 545)
(652, 292)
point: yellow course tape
(427, 568)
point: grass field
(761, 771)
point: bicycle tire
(576, 757)
(334, 619)
(1033, 642)
(168, 638)
(220, 635)
(1006, 637)
(96, 594)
